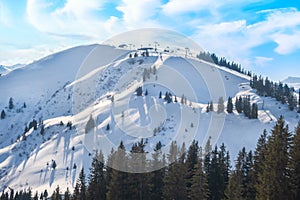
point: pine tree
(218, 171)
(11, 103)
(56, 194)
(199, 183)
(229, 105)
(36, 196)
(46, 194)
(254, 111)
(182, 99)
(299, 101)
(294, 165)
(117, 187)
(291, 102)
(96, 187)
(273, 180)
(139, 91)
(67, 195)
(138, 183)
(191, 161)
(220, 105)
(157, 163)
(239, 104)
(174, 181)
(90, 124)
(234, 188)
(211, 106)
(259, 159)
(3, 115)
(42, 130)
(80, 187)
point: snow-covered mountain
(6, 69)
(100, 81)
(292, 82)
(3, 70)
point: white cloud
(139, 13)
(178, 6)
(262, 61)
(75, 18)
(11, 56)
(5, 15)
(287, 43)
(236, 39)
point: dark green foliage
(69, 124)
(273, 181)
(222, 61)
(54, 165)
(117, 187)
(254, 111)
(294, 165)
(3, 115)
(199, 183)
(280, 92)
(33, 124)
(56, 194)
(229, 105)
(158, 162)
(175, 179)
(299, 102)
(67, 195)
(97, 184)
(36, 196)
(273, 172)
(10, 103)
(80, 187)
(168, 97)
(42, 129)
(139, 91)
(220, 105)
(217, 166)
(211, 106)
(292, 102)
(240, 183)
(239, 104)
(139, 184)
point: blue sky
(264, 36)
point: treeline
(242, 105)
(280, 92)
(213, 58)
(271, 171)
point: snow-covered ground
(100, 82)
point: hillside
(100, 82)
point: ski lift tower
(155, 46)
(186, 51)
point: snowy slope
(4, 70)
(68, 87)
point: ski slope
(72, 85)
